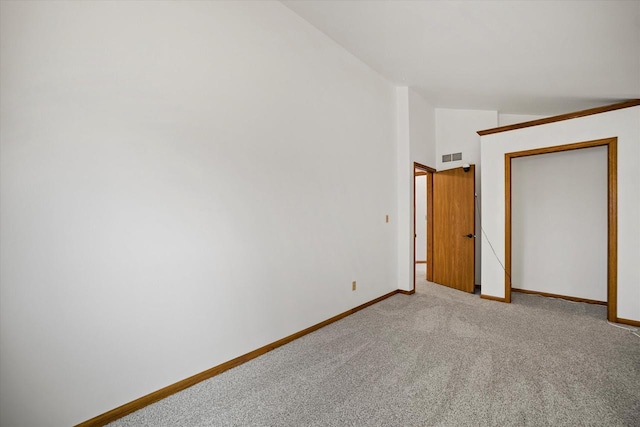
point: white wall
(559, 215)
(154, 222)
(421, 217)
(625, 124)
(404, 191)
(416, 143)
(456, 131)
(422, 130)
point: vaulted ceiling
(528, 57)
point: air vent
(454, 157)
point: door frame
(420, 169)
(612, 214)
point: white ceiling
(527, 57)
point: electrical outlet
(353, 285)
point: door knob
(470, 236)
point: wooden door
(454, 228)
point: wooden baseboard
(421, 262)
(628, 321)
(150, 398)
(546, 294)
(402, 291)
(492, 298)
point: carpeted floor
(439, 357)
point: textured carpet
(439, 357)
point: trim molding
(150, 398)
(418, 170)
(507, 228)
(492, 298)
(424, 168)
(628, 321)
(568, 116)
(430, 227)
(402, 291)
(612, 213)
(547, 294)
(421, 262)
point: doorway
(422, 223)
(612, 215)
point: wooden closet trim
(612, 214)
